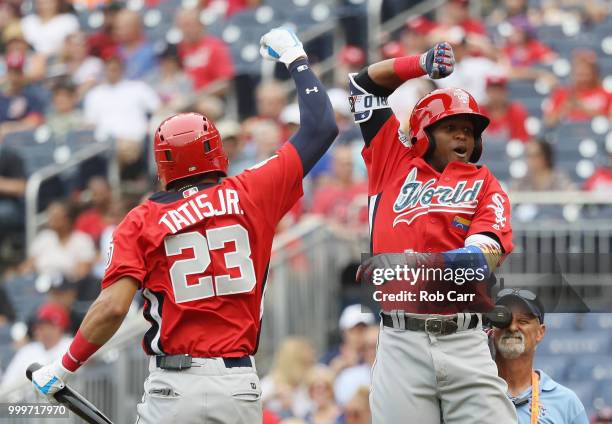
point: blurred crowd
(117, 82)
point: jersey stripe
(152, 313)
(372, 207)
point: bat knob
(33, 367)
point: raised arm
(318, 127)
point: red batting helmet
(188, 144)
(440, 104)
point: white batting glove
(281, 45)
(51, 378)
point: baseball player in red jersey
(431, 207)
(199, 252)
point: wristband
(80, 350)
(408, 67)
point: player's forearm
(318, 127)
(392, 73)
(101, 322)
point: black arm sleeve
(318, 127)
(370, 128)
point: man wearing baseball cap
(536, 396)
(51, 323)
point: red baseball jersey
(413, 207)
(202, 255)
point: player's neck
(516, 372)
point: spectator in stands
(414, 38)
(210, 106)
(342, 199)
(457, 13)
(267, 138)
(233, 146)
(102, 43)
(584, 98)
(34, 66)
(601, 180)
(12, 189)
(515, 348)
(353, 324)
(522, 51)
(507, 10)
(7, 312)
(111, 218)
(471, 71)
(350, 379)
(603, 416)
(50, 342)
(541, 173)
(172, 85)
(283, 389)
(324, 410)
(20, 107)
(507, 117)
(350, 59)
(120, 109)
(46, 29)
(271, 99)
(10, 13)
(64, 116)
(60, 249)
(137, 53)
(227, 8)
(92, 220)
(357, 410)
(84, 69)
(348, 131)
(206, 59)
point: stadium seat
(22, 292)
(522, 89)
(6, 354)
(5, 334)
(591, 367)
(563, 342)
(597, 322)
(79, 139)
(559, 321)
(555, 366)
(34, 154)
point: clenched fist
(439, 61)
(281, 45)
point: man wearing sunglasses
(536, 396)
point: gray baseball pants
(425, 379)
(206, 393)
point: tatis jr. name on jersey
(201, 207)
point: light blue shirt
(558, 404)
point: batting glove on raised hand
(281, 45)
(51, 378)
(438, 61)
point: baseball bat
(75, 401)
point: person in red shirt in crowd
(584, 98)
(507, 117)
(340, 199)
(92, 221)
(522, 50)
(350, 59)
(102, 43)
(206, 59)
(457, 13)
(414, 38)
(601, 180)
(229, 7)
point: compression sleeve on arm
(479, 252)
(318, 127)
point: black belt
(183, 362)
(436, 326)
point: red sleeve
(125, 254)
(517, 122)
(384, 153)
(275, 184)
(222, 62)
(493, 214)
(556, 100)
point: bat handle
(33, 367)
